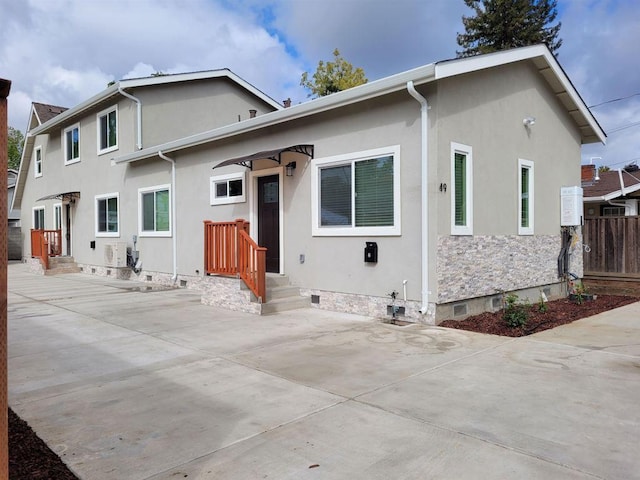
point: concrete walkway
(126, 383)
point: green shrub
(515, 313)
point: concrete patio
(125, 383)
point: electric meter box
(571, 206)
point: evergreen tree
(502, 24)
(332, 77)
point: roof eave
(590, 130)
(353, 95)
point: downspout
(139, 109)
(424, 109)
(174, 230)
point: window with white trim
(525, 197)
(357, 193)
(154, 211)
(108, 130)
(228, 188)
(37, 155)
(461, 189)
(107, 215)
(38, 218)
(57, 216)
(71, 142)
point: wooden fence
(613, 244)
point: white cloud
(64, 51)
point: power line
(614, 100)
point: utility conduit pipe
(424, 116)
(174, 230)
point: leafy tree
(502, 24)
(15, 142)
(332, 77)
(603, 168)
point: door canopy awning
(65, 197)
(275, 155)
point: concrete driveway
(125, 383)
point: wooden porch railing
(229, 250)
(45, 244)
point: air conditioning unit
(115, 254)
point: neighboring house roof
(45, 112)
(612, 184)
(539, 55)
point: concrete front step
(285, 304)
(61, 265)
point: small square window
(228, 189)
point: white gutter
(174, 230)
(139, 108)
(424, 115)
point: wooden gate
(613, 244)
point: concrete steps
(281, 296)
(62, 265)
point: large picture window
(71, 140)
(525, 196)
(461, 189)
(107, 217)
(108, 130)
(357, 194)
(155, 211)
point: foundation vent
(315, 299)
(460, 309)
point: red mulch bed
(559, 312)
(29, 457)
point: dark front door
(269, 220)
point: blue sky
(64, 51)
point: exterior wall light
(529, 121)
(291, 166)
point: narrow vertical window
(71, 141)
(38, 218)
(462, 190)
(525, 197)
(38, 161)
(108, 130)
(57, 216)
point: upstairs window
(154, 211)
(357, 194)
(71, 141)
(107, 219)
(38, 161)
(462, 189)
(525, 195)
(108, 130)
(228, 189)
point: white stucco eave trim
(464, 65)
(387, 85)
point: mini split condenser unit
(115, 254)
